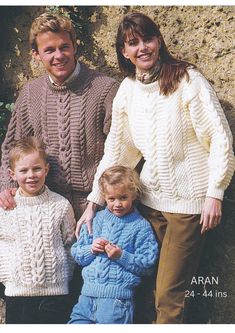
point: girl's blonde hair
(25, 146)
(120, 175)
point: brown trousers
(181, 243)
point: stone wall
(203, 35)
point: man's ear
(76, 46)
(12, 174)
(36, 55)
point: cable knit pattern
(35, 238)
(73, 120)
(116, 278)
(184, 138)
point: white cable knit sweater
(35, 241)
(184, 138)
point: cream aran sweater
(35, 242)
(184, 138)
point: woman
(166, 112)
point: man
(69, 108)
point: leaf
(9, 106)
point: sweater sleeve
(119, 145)
(19, 126)
(141, 262)
(213, 132)
(68, 234)
(81, 250)
(108, 102)
(6, 239)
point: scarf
(150, 75)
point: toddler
(122, 248)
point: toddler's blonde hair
(120, 175)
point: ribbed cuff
(213, 192)
(87, 254)
(125, 259)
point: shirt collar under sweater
(32, 201)
(128, 218)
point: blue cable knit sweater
(116, 278)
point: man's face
(57, 54)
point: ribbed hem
(181, 206)
(49, 290)
(95, 290)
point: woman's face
(143, 52)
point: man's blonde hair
(24, 146)
(120, 175)
(51, 22)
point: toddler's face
(30, 172)
(119, 199)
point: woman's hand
(7, 198)
(87, 218)
(211, 214)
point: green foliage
(9, 106)
(77, 14)
(71, 12)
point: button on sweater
(184, 139)
(116, 278)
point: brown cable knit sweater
(73, 121)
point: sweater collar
(77, 80)
(123, 219)
(32, 201)
(148, 88)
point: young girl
(122, 248)
(166, 112)
(35, 241)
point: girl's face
(119, 199)
(143, 52)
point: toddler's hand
(98, 245)
(113, 251)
